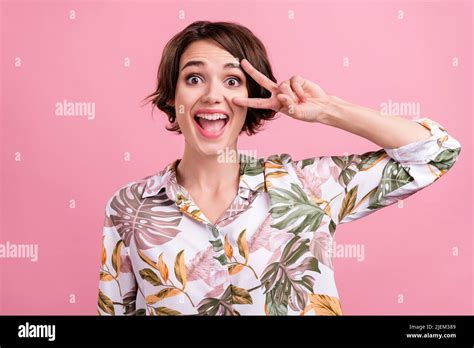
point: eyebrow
(201, 63)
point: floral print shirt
(270, 252)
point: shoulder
(132, 193)
(280, 162)
(124, 204)
(280, 171)
(282, 158)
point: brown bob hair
(238, 41)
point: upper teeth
(212, 116)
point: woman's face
(208, 80)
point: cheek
(239, 119)
(184, 100)
(240, 112)
(243, 91)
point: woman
(212, 236)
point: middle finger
(260, 78)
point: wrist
(333, 110)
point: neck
(206, 174)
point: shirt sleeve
(117, 284)
(353, 186)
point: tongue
(212, 126)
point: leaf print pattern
(348, 203)
(224, 304)
(163, 269)
(394, 176)
(234, 266)
(105, 273)
(243, 246)
(295, 211)
(370, 159)
(250, 168)
(313, 175)
(377, 179)
(346, 173)
(201, 265)
(271, 253)
(140, 218)
(118, 287)
(180, 269)
(125, 264)
(170, 289)
(215, 292)
(323, 305)
(321, 248)
(129, 302)
(261, 237)
(150, 276)
(116, 257)
(106, 303)
(187, 206)
(445, 159)
(104, 252)
(282, 277)
(163, 311)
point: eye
(194, 76)
(235, 79)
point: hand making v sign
(297, 97)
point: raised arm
(353, 186)
(412, 154)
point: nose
(213, 93)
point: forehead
(207, 51)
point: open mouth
(211, 125)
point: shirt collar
(251, 180)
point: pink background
(408, 250)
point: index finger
(261, 79)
